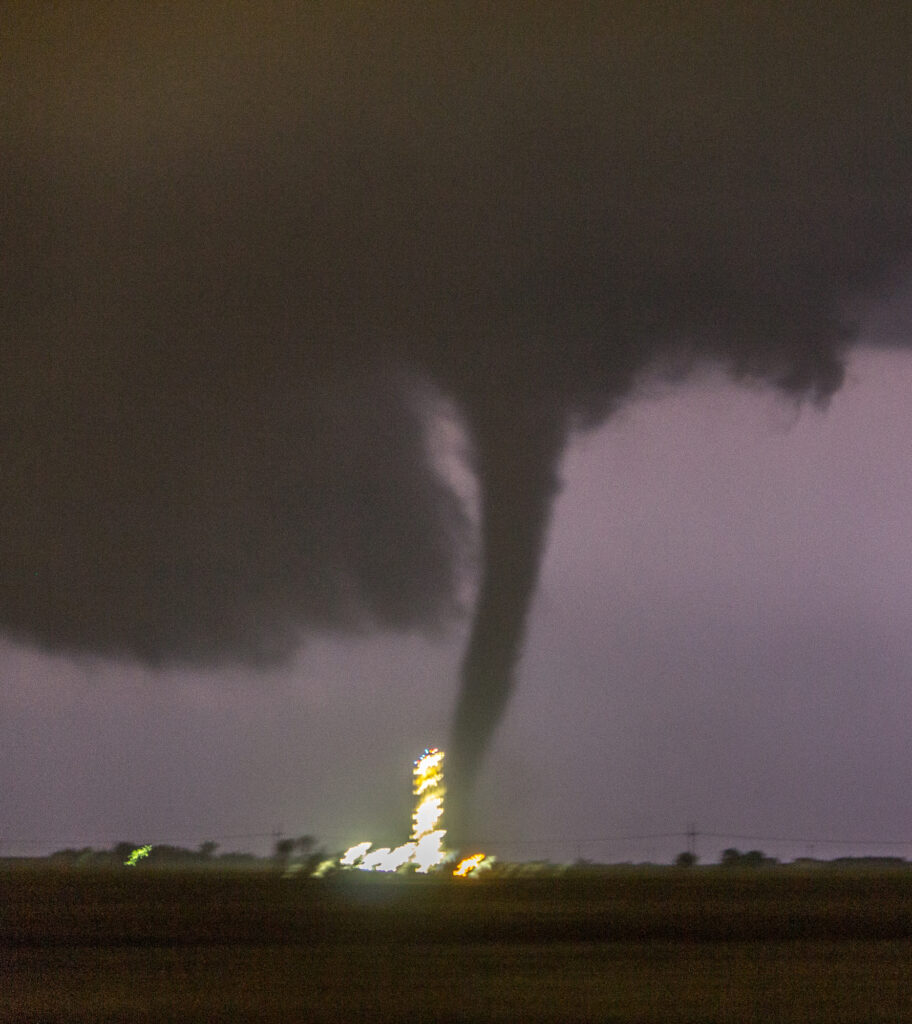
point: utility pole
(692, 839)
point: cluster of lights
(425, 849)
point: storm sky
(328, 334)
(721, 637)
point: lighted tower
(429, 792)
(425, 847)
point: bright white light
(425, 850)
(353, 854)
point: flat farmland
(701, 946)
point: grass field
(701, 946)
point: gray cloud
(230, 239)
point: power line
(87, 840)
(805, 839)
(690, 834)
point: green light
(137, 854)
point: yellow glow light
(428, 771)
(466, 866)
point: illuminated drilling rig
(424, 850)
(429, 792)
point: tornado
(517, 463)
(233, 241)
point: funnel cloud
(240, 245)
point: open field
(704, 946)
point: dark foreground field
(700, 946)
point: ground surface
(700, 946)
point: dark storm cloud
(233, 235)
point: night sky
(534, 380)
